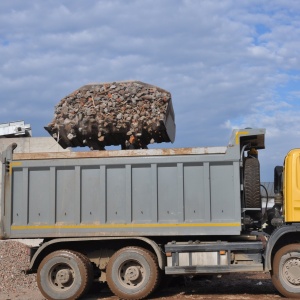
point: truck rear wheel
(286, 271)
(133, 273)
(252, 183)
(90, 269)
(63, 275)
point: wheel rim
(291, 271)
(131, 274)
(61, 276)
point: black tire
(133, 273)
(252, 183)
(63, 275)
(286, 271)
(90, 269)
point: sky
(228, 64)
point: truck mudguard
(155, 247)
(274, 238)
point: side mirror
(278, 179)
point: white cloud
(226, 63)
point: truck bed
(159, 192)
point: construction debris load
(132, 114)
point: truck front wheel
(63, 275)
(132, 273)
(286, 271)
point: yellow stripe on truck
(14, 164)
(112, 226)
(238, 134)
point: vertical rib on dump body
(189, 191)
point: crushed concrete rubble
(14, 259)
(128, 113)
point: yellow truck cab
(291, 186)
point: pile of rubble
(14, 259)
(132, 114)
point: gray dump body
(159, 192)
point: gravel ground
(13, 259)
(248, 286)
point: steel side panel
(142, 189)
(126, 197)
(222, 192)
(194, 199)
(116, 194)
(19, 205)
(168, 209)
(92, 202)
(39, 194)
(65, 195)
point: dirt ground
(245, 286)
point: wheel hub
(63, 276)
(132, 273)
(292, 271)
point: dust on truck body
(128, 217)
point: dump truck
(131, 218)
